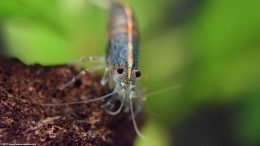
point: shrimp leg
(97, 59)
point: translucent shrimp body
(122, 65)
(122, 61)
(122, 51)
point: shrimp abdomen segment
(123, 37)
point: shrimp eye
(120, 70)
(137, 73)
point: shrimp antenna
(163, 90)
(149, 94)
(134, 121)
(80, 102)
(113, 113)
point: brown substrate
(24, 120)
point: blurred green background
(209, 47)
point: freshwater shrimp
(122, 62)
(121, 70)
